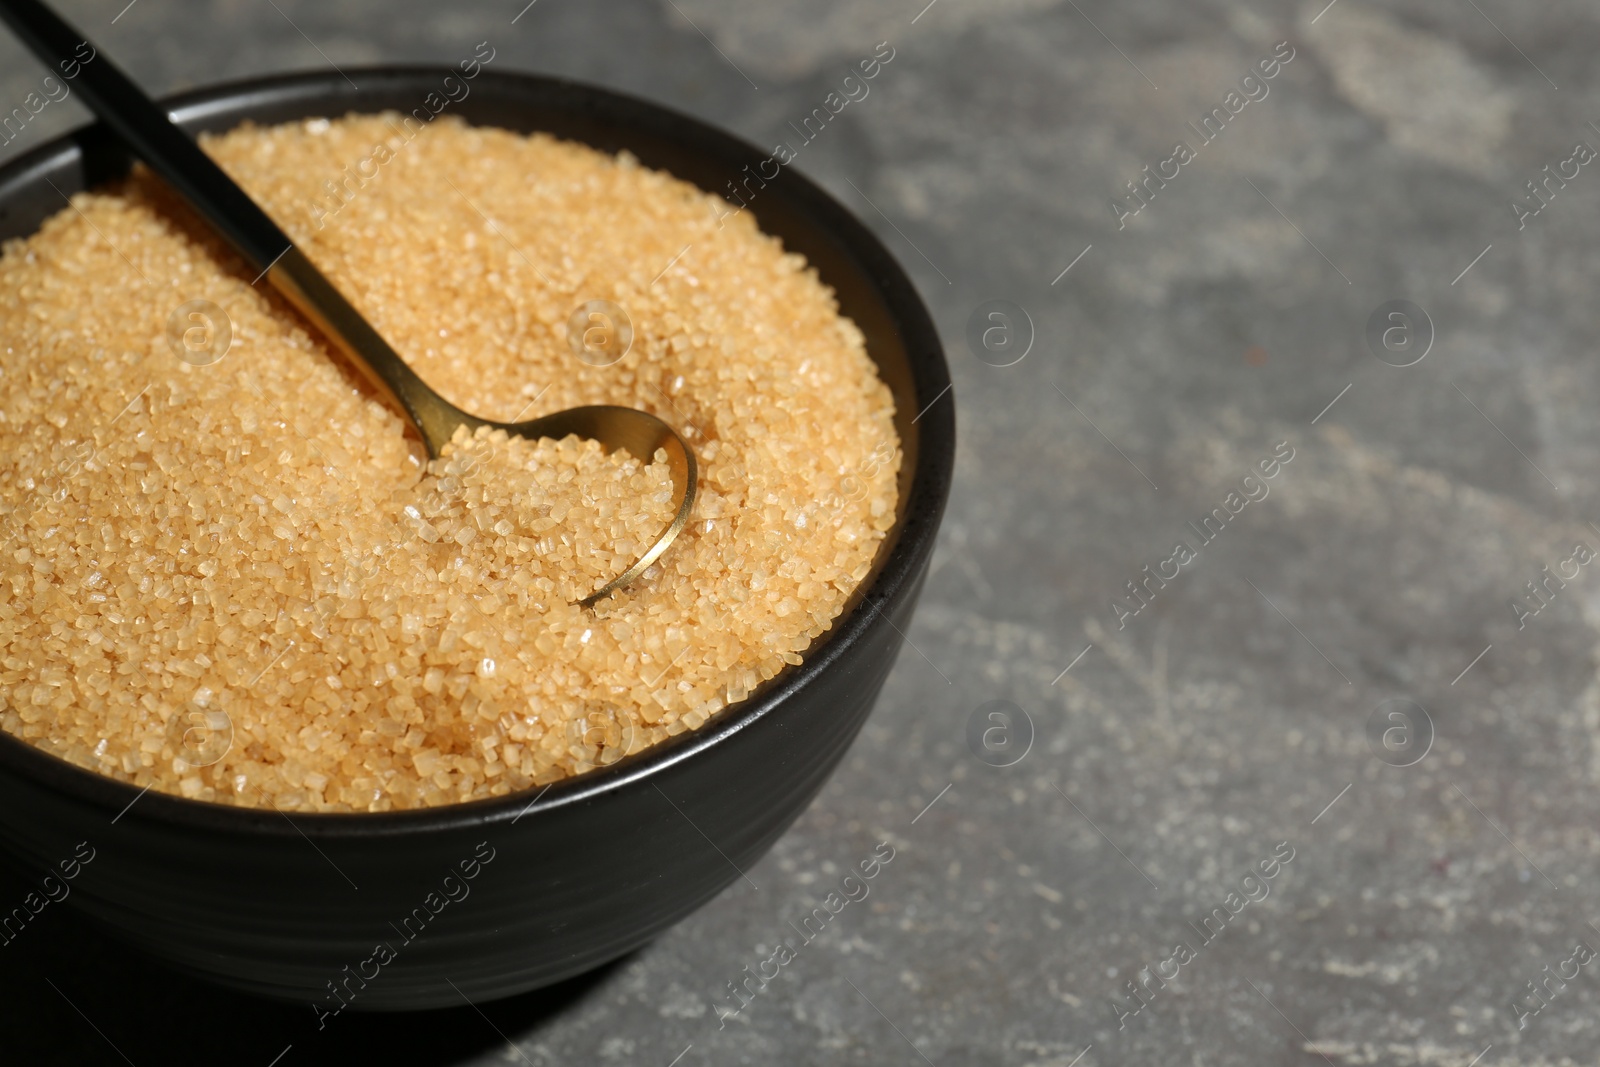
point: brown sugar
(250, 548)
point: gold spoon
(436, 419)
(145, 128)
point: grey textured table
(1243, 711)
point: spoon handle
(144, 126)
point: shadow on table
(113, 1005)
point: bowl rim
(896, 564)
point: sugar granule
(255, 537)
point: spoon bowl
(638, 433)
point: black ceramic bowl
(596, 865)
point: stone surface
(1229, 715)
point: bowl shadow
(73, 995)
